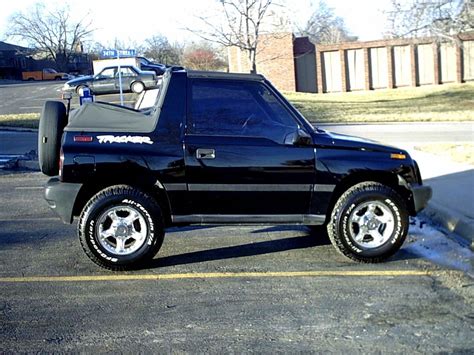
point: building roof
(4, 46)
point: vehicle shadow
(188, 228)
(231, 252)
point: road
(261, 289)
(13, 142)
(409, 133)
(400, 134)
(29, 97)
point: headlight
(66, 87)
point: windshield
(143, 60)
(162, 91)
(292, 108)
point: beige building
(295, 64)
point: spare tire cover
(51, 126)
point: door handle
(202, 153)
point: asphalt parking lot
(262, 289)
(29, 97)
(225, 289)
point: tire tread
(108, 193)
(332, 225)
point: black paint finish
(269, 178)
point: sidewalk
(452, 204)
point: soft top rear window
(99, 116)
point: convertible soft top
(99, 116)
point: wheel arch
(148, 185)
(389, 179)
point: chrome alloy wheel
(371, 224)
(121, 230)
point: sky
(128, 23)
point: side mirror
(298, 137)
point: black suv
(219, 148)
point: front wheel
(80, 90)
(121, 228)
(138, 87)
(369, 222)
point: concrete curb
(18, 129)
(452, 221)
(28, 164)
(28, 161)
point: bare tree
(325, 27)
(51, 33)
(241, 26)
(159, 49)
(444, 19)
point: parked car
(107, 81)
(146, 64)
(220, 148)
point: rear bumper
(421, 195)
(61, 197)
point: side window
(126, 72)
(107, 73)
(238, 109)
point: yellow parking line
(215, 275)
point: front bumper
(421, 195)
(61, 197)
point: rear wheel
(52, 122)
(369, 222)
(121, 228)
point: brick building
(274, 59)
(295, 64)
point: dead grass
(462, 153)
(25, 120)
(452, 102)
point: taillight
(61, 162)
(83, 139)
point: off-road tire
(338, 226)
(51, 126)
(120, 195)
